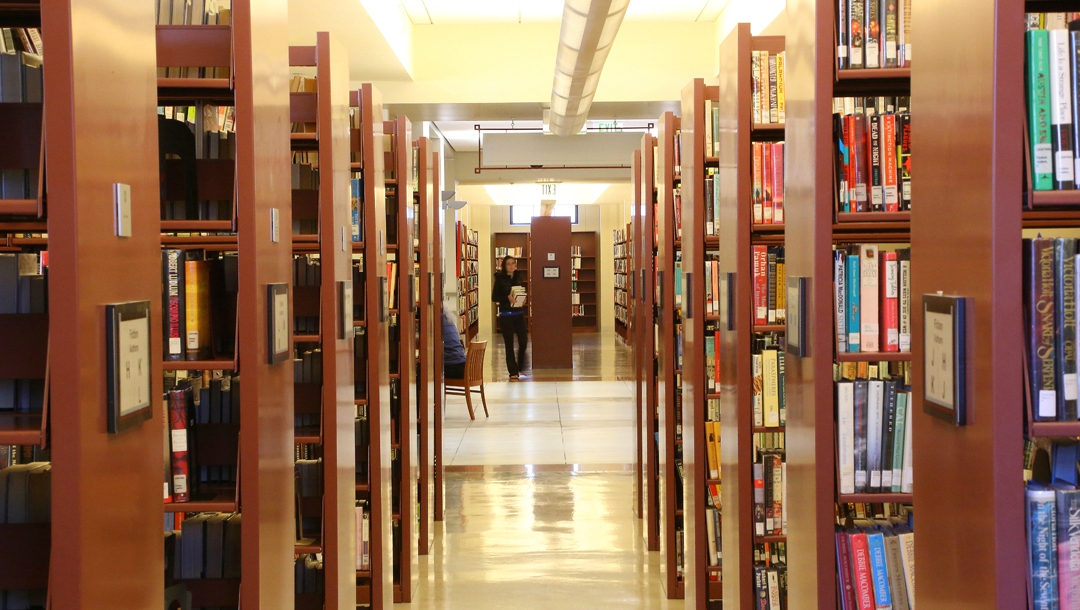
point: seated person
(453, 350)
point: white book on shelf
(875, 404)
(845, 404)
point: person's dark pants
(511, 326)
(454, 371)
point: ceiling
(441, 12)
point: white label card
(1047, 403)
(1044, 158)
(281, 322)
(940, 358)
(134, 367)
(1064, 166)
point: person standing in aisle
(453, 351)
(512, 319)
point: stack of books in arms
(199, 304)
(21, 81)
(873, 299)
(874, 410)
(767, 81)
(875, 560)
(873, 154)
(1053, 93)
(767, 161)
(23, 290)
(873, 34)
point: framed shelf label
(127, 357)
(277, 315)
(945, 353)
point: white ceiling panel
(443, 12)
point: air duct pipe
(588, 31)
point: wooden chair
(474, 377)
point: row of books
(23, 290)
(465, 236)
(873, 432)
(21, 81)
(576, 251)
(199, 302)
(307, 366)
(308, 574)
(767, 364)
(1052, 45)
(307, 272)
(356, 208)
(579, 311)
(308, 483)
(207, 546)
(770, 483)
(189, 137)
(501, 253)
(713, 537)
(1051, 331)
(194, 12)
(873, 299)
(303, 84)
(195, 405)
(876, 565)
(363, 535)
(873, 154)
(767, 87)
(712, 202)
(305, 177)
(770, 275)
(873, 34)
(362, 433)
(712, 128)
(25, 497)
(770, 587)
(621, 314)
(618, 236)
(767, 161)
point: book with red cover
(178, 437)
(890, 152)
(172, 295)
(843, 571)
(778, 182)
(890, 302)
(758, 186)
(766, 179)
(877, 195)
(860, 570)
(859, 164)
(761, 288)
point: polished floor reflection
(597, 357)
(516, 541)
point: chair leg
(468, 403)
(483, 399)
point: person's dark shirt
(453, 351)
(500, 293)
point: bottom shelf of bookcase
(213, 591)
(363, 595)
(309, 601)
(716, 589)
(24, 555)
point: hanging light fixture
(588, 31)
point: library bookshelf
(468, 275)
(332, 403)
(259, 179)
(700, 327)
(623, 246)
(669, 376)
(401, 229)
(644, 343)
(429, 303)
(371, 347)
(515, 242)
(814, 224)
(585, 266)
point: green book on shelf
(1038, 103)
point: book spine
(842, 33)
(873, 34)
(770, 281)
(781, 87)
(767, 184)
(875, 412)
(891, 38)
(844, 572)
(771, 387)
(774, 108)
(904, 126)
(778, 181)
(845, 401)
(861, 413)
(1074, 80)
(1068, 548)
(1042, 548)
(761, 295)
(854, 314)
(856, 18)
(840, 302)
(178, 424)
(759, 499)
(1065, 326)
(755, 86)
(782, 396)
(777, 494)
(1039, 276)
(888, 436)
(877, 185)
(899, 441)
(763, 62)
(1038, 106)
(907, 555)
(759, 399)
(197, 304)
(1061, 110)
(890, 291)
(859, 165)
(890, 150)
(909, 471)
(770, 513)
(879, 571)
(905, 34)
(905, 301)
(869, 298)
(758, 162)
(174, 304)
(861, 571)
(842, 133)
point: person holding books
(509, 292)
(453, 350)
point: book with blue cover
(1042, 545)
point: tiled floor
(562, 533)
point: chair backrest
(474, 363)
